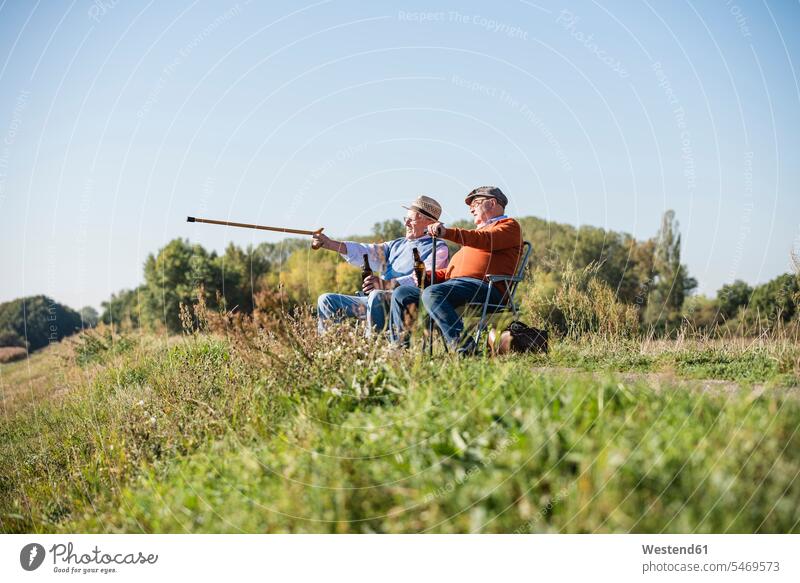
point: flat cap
(488, 192)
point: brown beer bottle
(366, 271)
(419, 268)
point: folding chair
(506, 304)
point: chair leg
(431, 337)
(484, 320)
(479, 329)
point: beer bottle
(419, 268)
(366, 271)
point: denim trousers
(371, 308)
(440, 301)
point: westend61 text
(64, 552)
(670, 550)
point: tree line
(647, 275)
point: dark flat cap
(488, 192)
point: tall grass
(580, 306)
(256, 424)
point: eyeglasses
(477, 201)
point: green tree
(11, 338)
(307, 274)
(123, 308)
(732, 297)
(389, 230)
(241, 271)
(702, 313)
(276, 254)
(671, 282)
(625, 264)
(175, 276)
(774, 302)
(37, 319)
(89, 316)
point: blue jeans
(371, 308)
(440, 301)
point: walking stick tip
(189, 219)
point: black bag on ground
(518, 337)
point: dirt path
(665, 381)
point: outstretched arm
(320, 241)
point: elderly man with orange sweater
(493, 248)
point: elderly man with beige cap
(394, 261)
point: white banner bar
(400, 558)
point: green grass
(264, 432)
(775, 363)
(30, 381)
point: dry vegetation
(12, 354)
(254, 424)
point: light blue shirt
(395, 259)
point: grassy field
(251, 430)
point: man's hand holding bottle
(374, 282)
(370, 283)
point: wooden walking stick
(260, 227)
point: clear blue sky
(119, 119)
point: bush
(581, 304)
(94, 346)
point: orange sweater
(494, 249)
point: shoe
(469, 348)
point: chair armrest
(496, 278)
